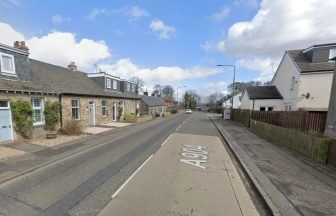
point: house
(304, 78)
(154, 106)
(262, 98)
(172, 105)
(81, 98)
(227, 103)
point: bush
(219, 109)
(51, 114)
(72, 127)
(22, 115)
(130, 118)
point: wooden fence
(306, 121)
(242, 116)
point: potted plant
(52, 118)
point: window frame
(104, 108)
(108, 83)
(292, 83)
(114, 84)
(41, 108)
(332, 51)
(77, 107)
(7, 107)
(128, 86)
(11, 73)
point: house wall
(38, 130)
(143, 108)
(283, 79)
(319, 87)
(236, 101)
(246, 103)
(129, 107)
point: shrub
(219, 109)
(22, 115)
(130, 118)
(72, 127)
(51, 114)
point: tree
(138, 84)
(190, 99)
(168, 92)
(213, 98)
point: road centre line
(178, 128)
(129, 178)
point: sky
(169, 42)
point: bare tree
(168, 92)
(138, 84)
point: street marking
(129, 178)
(164, 142)
(178, 128)
(196, 154)
(184, 122)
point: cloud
(58, 19)
(59, 47)
(136, 13)
(97, 12)
(127, 69)
(222, 14)
(162, 30)
(262, 65)
(212, 87)
(281, 25)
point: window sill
(104, 116)
(8, 74)
(38, 124)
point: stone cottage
(154, 106)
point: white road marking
(178, 128)
(164, 142)
(195, 154)
(123, 185)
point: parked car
(188, 111)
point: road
(83, 183)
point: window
(7, 63)
(128, 86)
(104, 110)
(332, 53)
(133, 87)
(108, 83)
(37, 104)
(262, 109)
(115, 84)
(288, 107)
(75, 109)
(270, 109)
(292, 83)
(4, 104)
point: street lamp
(234, 77)
(177, 92)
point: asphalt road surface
(172, 166)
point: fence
(241, 115)
(299, 120)
(310, 145)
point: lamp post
(234, 77)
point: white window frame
(123, 107)
(133, 87)
(7, 107)
(115, 83)
(76, 107)
(104, 106)
(332, 53)
(41, 107)
(108, 83)
(128, 86)
(12, 73)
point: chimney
(146, 93)
(72, 66)
(21, 45)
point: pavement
(290, 183)
(79, 178)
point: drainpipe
(60, 101)
(253, 105)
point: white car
(188, 111)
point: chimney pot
(21, 45)
(72, 66)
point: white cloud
(9, 35)
(97, 12)
(262, 65)
(283, 24)
(59, 47)
(212, 87)
(135, 13)
(127, 69)
(58, 19)
(161, 29)
(221, 14)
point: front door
(6, 128)
(92, 113)
(114, 111)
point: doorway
(6, 126)
(92, 113)
(114, 111)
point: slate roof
(306, 66)
(153, 101)
(263, 92)
(52, 78)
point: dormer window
(128, 86)
(133, 88)
(332, 53)
(7, 64)
(114, 84)
(108, 83)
